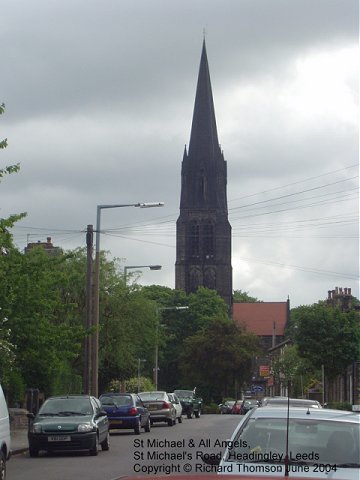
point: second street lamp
(128, 267)
(95, 339)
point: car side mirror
(102, 413)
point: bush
(211, 408)
(340, 405)
(131, 385)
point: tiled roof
(260, 318)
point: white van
(4, 435)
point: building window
(195, 280)
(195, 240)
(209, 247)
(210, 279)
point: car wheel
(105, 445)
(33, 452)
(189, 414)
(147, 425)
(2, 466)
(137, 428)
(170, 422)
(95, 450)
(197, 414)
(180, 419)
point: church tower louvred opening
(203, 232)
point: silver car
(160, 407)
(294, 402)
(177, 405)
(318, 442)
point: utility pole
(89, 310)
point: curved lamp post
(152, 267)
(95, 339)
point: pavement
(19, 440)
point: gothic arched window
(208, 240)
(195, 240)
(195, 280)
(210, 279)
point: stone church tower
(203, 232)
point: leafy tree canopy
(243, 297)
(216, 357)
(326, 336)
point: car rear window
(117, 400)
(147, 396)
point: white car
(176, 402)
(294, 402)
(4, 435)
(321, 444)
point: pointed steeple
(204, 139)
(203, 231)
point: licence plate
(59, 438)
(116, 422)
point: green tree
(291, 369)
(7, 348)
(127, 327)
(326, 336)
(6, 223)
(43, 326)
(243, 297)
(216, 357)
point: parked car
(248, 404)
(226, 407)
(125, 411)
(236, 408)
(73, 422)
(190, 402)
(160, 407)
(294, 402)
(321, 443)
(177, 404)
(5, 450)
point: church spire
(204, 139)
(203, 232)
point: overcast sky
(99, 99)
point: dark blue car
(125, 411)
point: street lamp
(158, 311)
(152, 267)
(95, 339)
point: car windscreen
(184, 393)
(310, 441)
(66, 406)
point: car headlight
(35, 428)
(85, 427)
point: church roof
(204, 138)
(260, 318)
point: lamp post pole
(95, 338)
(158, 311)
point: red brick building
(268, 321)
